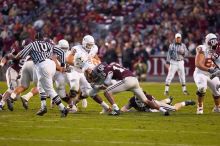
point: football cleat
(24, 103)
(42, 111)
(115, 112)
(10, 104)
(84, 103)
(199, 111)
(64, 112)
(185, 92)
(72, 109)
(216, 109)
(166, 113)
(104, 111)
(190, 102)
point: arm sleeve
(108, 78)
(168, 55)
(25, 52)
(60, 53)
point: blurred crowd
(128, 31)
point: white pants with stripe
(45, 72)
(128, 84)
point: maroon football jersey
(119, 72)
(17, 64)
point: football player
(204, 68)
(135, 103)
(79, 56)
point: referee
(175, 59)
(40, 52)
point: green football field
(87, 127)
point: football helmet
(63, 44)
(211, 40)
(88, 42)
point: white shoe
(84, 103)
(199, 111)
(74, 109)
(216, 110)
(105, 111)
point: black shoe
(24, 103)
(64, 112)
(10, 104)
(115, 112)
(171, 100)
(42, 111)
(185, 92)
(166, 113)
(190, 102)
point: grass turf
(87, 127)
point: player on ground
(136, 103)
(204, 67)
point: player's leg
(12, 83)
(176, 106)
(45, 77)
(201, 83)
(172, 70)
(212, 84)
(86, 89)
(181, 73)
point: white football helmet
(88, 42)
(63, 44)
(211, 40)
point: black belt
(43, 60)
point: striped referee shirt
(40, 51)
(176, 52)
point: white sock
(115, 106)
(167, 88)
(162, 110)
(61, 106)
(27, 96)
(184, 88)
(183, 103)
(104, 105)
(43, 103)
(13, 95)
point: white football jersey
(208, 59)
(82, 56)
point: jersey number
(118, 68)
